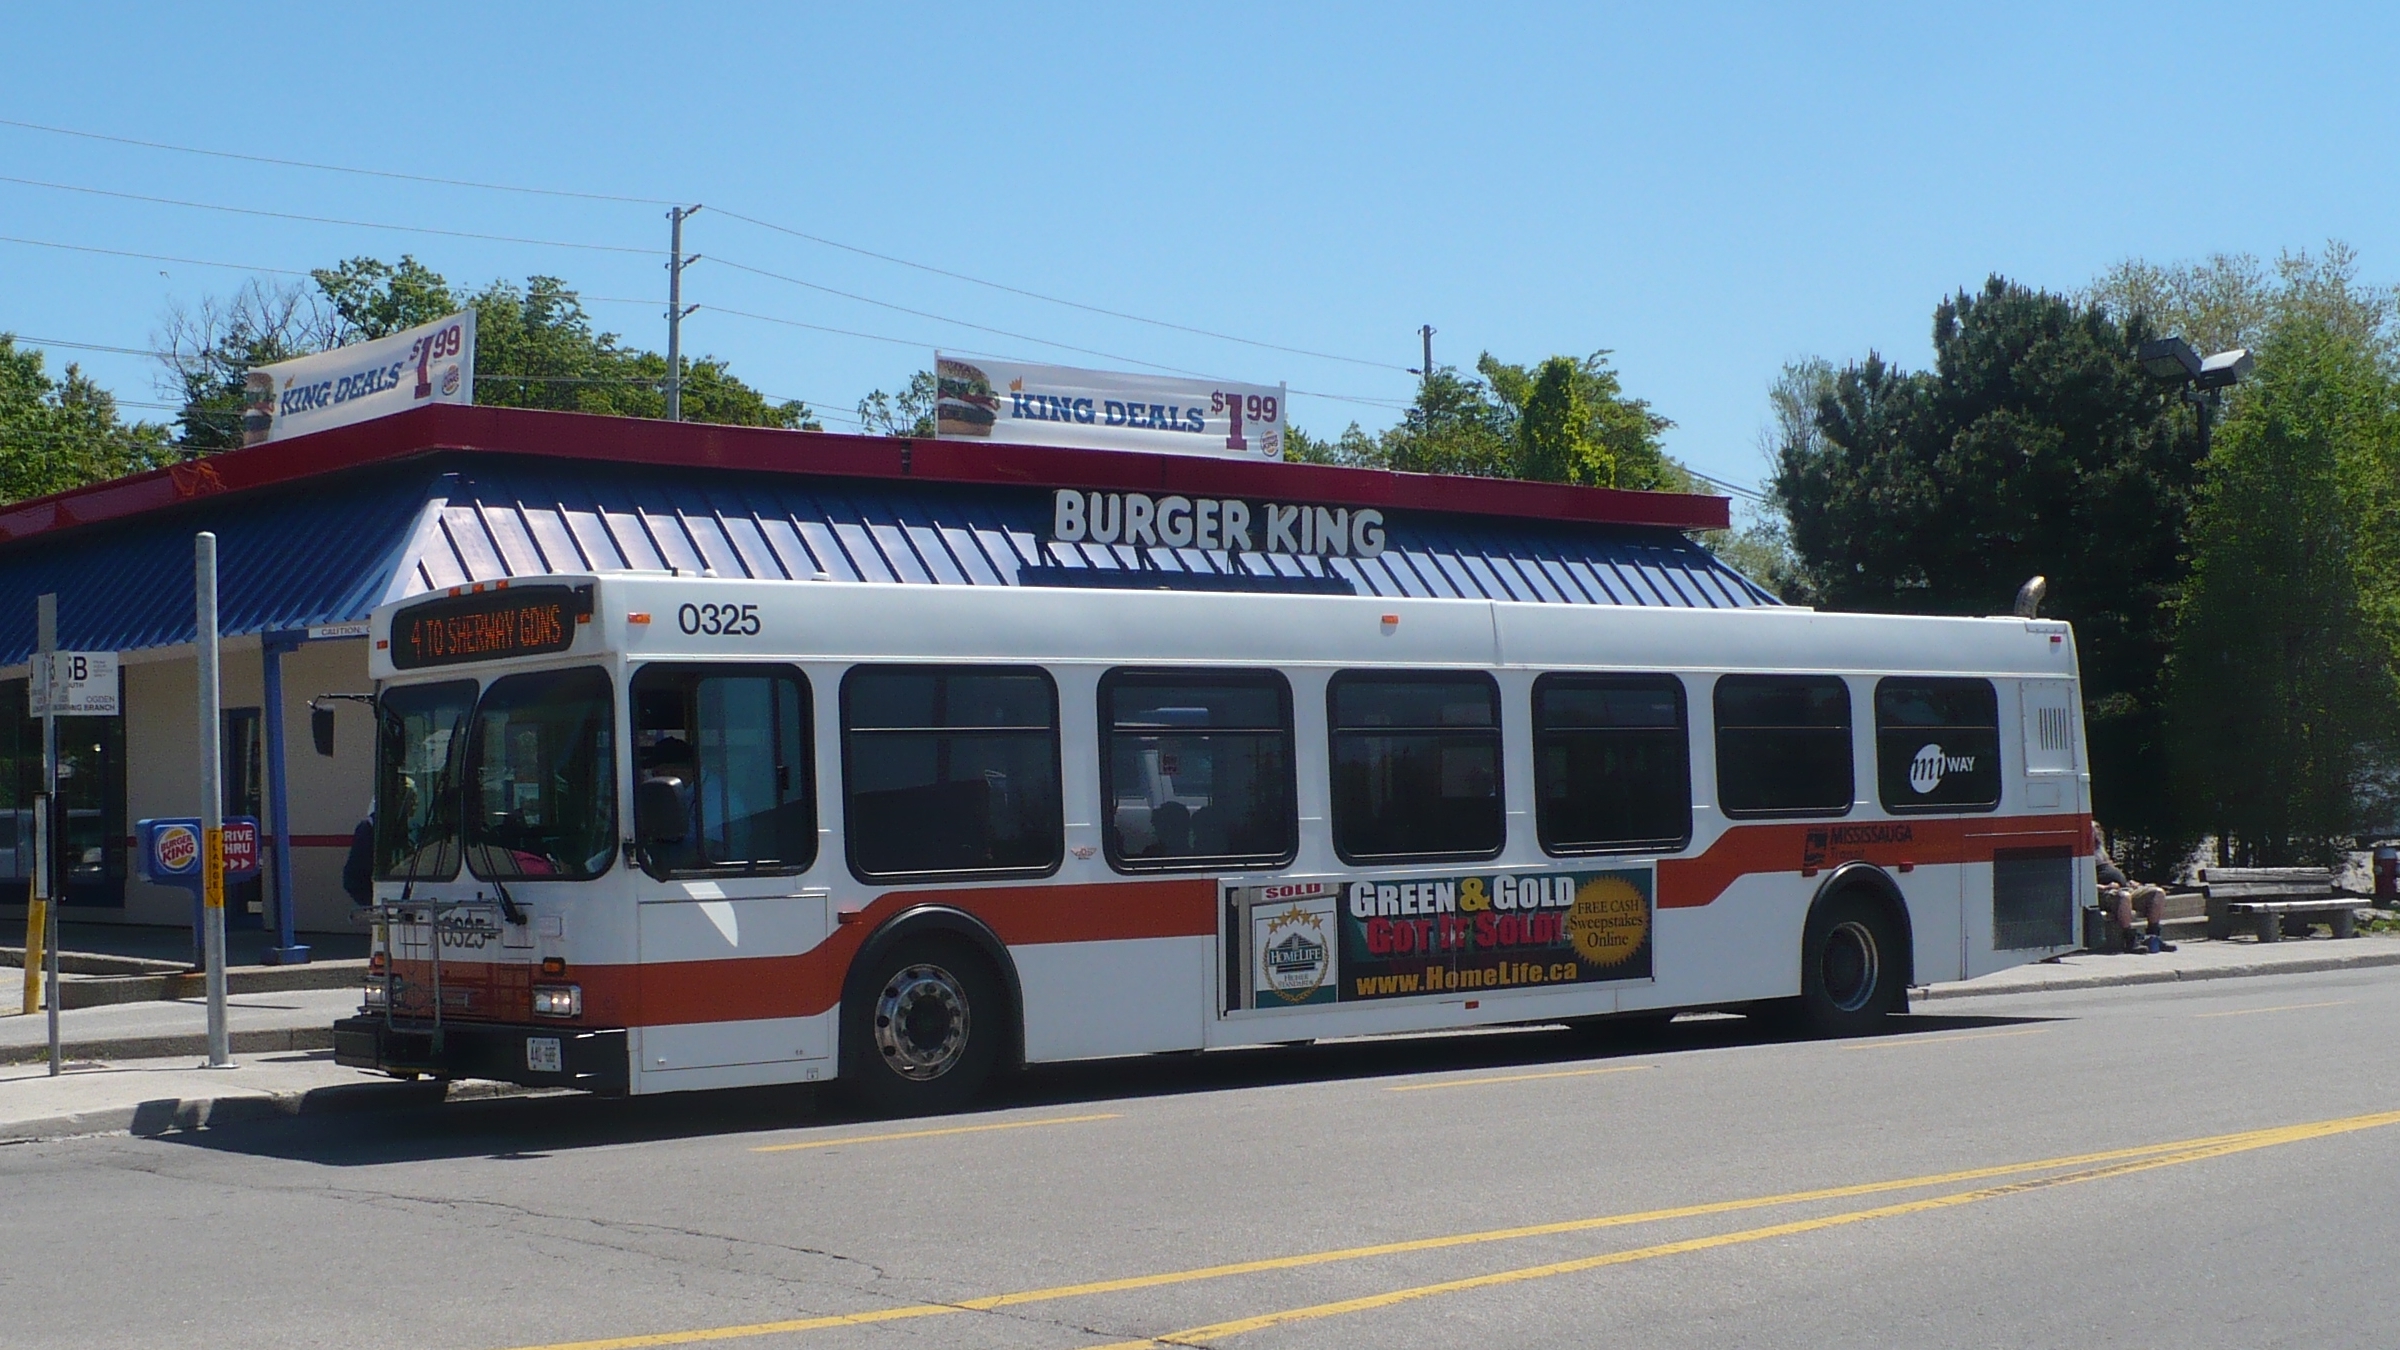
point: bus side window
(1612, 763)
(1416, 765)
(951, 771)
(731, 743)
(1937, 745)
(1196, 769)
(1783, 745)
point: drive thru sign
(81, 684)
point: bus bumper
(591, 1060)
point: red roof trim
(629, 440)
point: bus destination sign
(489, 626)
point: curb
(2305, 966)
(106, 991)
(254, 1041)
(171, 1115)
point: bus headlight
(558, 1000)
(375, 997)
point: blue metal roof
(285, 559)
(530, 517)
(331, 549)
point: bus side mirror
(660, 815)
(320, 727)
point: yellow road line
(1905, 1042)
(932, 1134)
(1301, 1260)
(2282, 1007)
(1517, 1078)
(1201, 1336)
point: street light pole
(2202, 378)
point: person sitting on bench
(2121, 896)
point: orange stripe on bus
(1801, 846)
(670, 993)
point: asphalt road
(2196, 1165)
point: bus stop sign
(80, 684)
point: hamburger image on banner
(964, 404)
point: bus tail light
(558, 1000)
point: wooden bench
(2274, 898)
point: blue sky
(1707, 190)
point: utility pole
(1426, 332)
(676, 262)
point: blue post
(287, 951)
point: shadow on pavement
(378, 1123)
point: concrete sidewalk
(155, 1096)
(299, 1019)
(2195, 959)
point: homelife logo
(1297, 958)
(1925, 772)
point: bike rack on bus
(436, 917)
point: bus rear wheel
(924, 1031)
(1853, 971)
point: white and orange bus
(645, 833)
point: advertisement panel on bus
(1343, 940)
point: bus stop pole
(45, 859)
(212, 799)
(287, 950)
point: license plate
(541, 1055)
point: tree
(209, 349)
(1566, 420)
(2230, 300)
(2036, 445)
(372, 299)
(1760, 547)
(2282, 686)
(907, 413)
(535, 348)
(61, 434)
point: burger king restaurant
(316, 531)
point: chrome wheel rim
(1851, 967)
(922, 1022)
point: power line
(617, 248)
(1736, 489)
(152, 257)
(331, 168)
(81, 346)
(943, 318)
(1051, 299)
(980, 328)
(323, 220)
(735, 215)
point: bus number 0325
(718, 620)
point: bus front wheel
(924, 1031)
(1853, 969)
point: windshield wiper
(508, 906)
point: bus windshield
(416, 780)
(541, 780)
